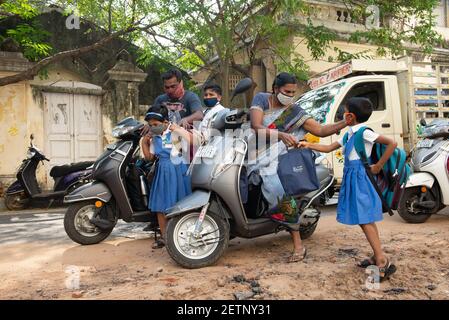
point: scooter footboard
(91, 191)
(198, 199)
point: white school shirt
(205, 125)
(369, 137)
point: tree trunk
(224, 68)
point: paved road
(47, 226)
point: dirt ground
(128, 269)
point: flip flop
(158, 244)
(297, 257)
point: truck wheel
(203, 250)
(16, 201)
(78, 227)
(405, 210)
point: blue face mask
(210, 102)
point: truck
(403, 92)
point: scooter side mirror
(423, 122)
(241, 87)
(31, 138)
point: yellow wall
(21, 115)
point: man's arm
(319, 130)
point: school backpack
(390, 181)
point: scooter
(200, 226)
(427, 190)
(25, 191)
(95, 208)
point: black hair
(160, 109)
(282, 79)
(361, 107)
(172, 73)
(213, 87)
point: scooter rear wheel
(16, 201)
(196, 252)
(78, 227)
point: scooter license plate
(206, 151)
(426, 143)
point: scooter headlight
(119, 131)
(30, 153)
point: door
(381, 120)
(72, 127)
(59, 128)
(87, 124)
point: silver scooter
(200, 226)
(427, 190)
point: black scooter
(25, 191)
(95, 208)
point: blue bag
(297, 172)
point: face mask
(178, 93)
(157, 130)
(284, 99)
(210, 102)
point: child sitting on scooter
(358, 201)
(170, 183)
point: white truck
(402, 92)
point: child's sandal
(367, 262)
(386, 270)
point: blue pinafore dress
(170, 183)
(358, 201)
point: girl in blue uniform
(358, 201)
(170, 183)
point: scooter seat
(60, 171)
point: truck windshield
(318, 102)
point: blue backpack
(390, 182)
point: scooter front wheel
(199, 250)
(407, 203)
(17, 201)
(78, 227)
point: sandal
(387, 271)
(367, 262)
(297, 257)
(158, 244)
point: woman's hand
(375, 168)
(288, 139)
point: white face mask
(284, 99)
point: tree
(123, 18)
(212, 32)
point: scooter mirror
(423, 122)
(32, 136)
(243, 85)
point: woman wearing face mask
(268, 120)
(170, 183)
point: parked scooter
(427, 190)
(200, 226)
(95, 208)
(25, 191)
